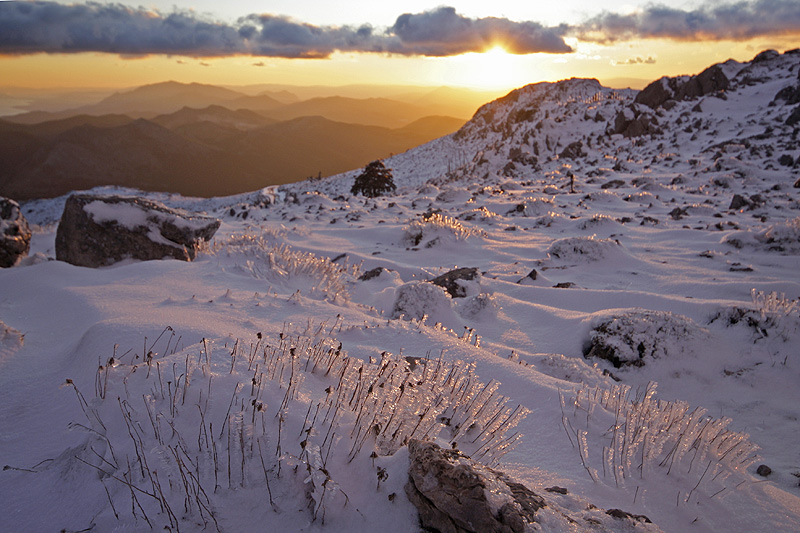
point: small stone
(763, 470)
(624, 515)
(371, 274)
(565, 285)
(739, 202)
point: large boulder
(101, 230)
(15, 234)
(658, 92)
(455, 494)
(572, 151)
(450, 492)
(711, 80)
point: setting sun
(492, 69)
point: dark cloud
(444, 32)
(270, 35)
(737, 21)
(32, 27)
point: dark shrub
(376, 180)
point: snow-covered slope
(636, 298)
(524, 134)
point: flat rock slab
(101, 230)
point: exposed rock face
(790, 94)
(794, 117)
(450, 281)
(631, 123)
(572, 151)
(450, 492)
(711, 80)
(15, 235)
(454, 494)
(101, 230)
(655, 94)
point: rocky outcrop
(15, 234)
(450, 492)
(371, 274)
(572, 151)
(710, 81)
(658, 92)
(455, 494)
(790, 95)
(794, 117)
(632, 123)
(101, 230)
(452, 281)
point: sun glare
(493, 69)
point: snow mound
(627, 339)
(584, 249)
(418, 300)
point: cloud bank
(738, 21)
(443, 32)
(33, 27)
(48, 27)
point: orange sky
(643, 59)
(494, 70)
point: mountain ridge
(526, 133)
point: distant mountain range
(204, 140)
(201, 152)
(389, 109)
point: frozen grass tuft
(772, 316)
(434, 228)
(638, 439)
(200, 432)
(279, 263)
(774, 305)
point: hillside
(592, 291)
(190, 150)
(547, 130)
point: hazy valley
(205, 140)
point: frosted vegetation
(630, 334)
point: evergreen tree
(375, 180)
